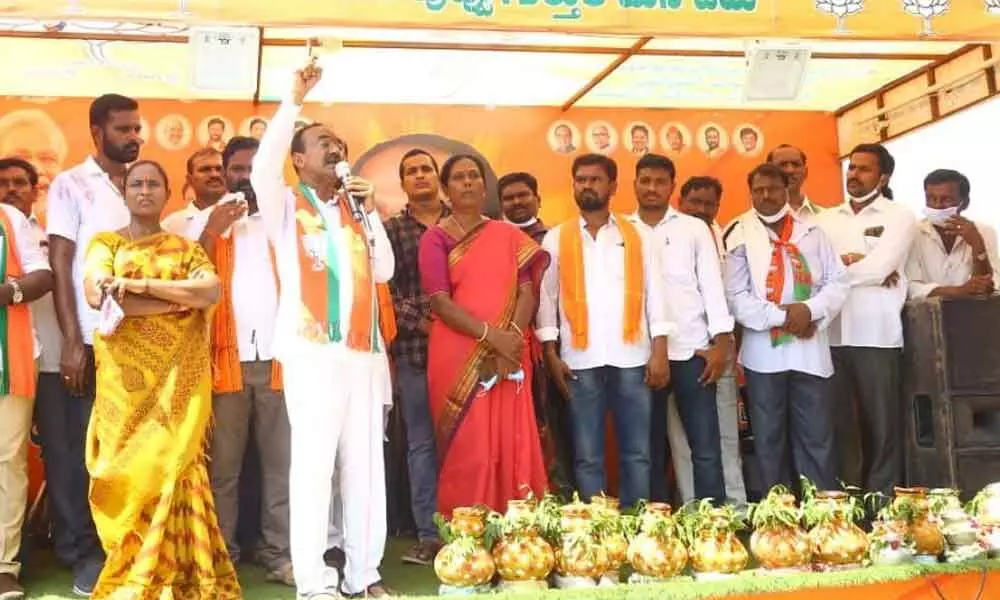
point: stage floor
(45, 580)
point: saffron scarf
(227, 375)
(573, 288)
(320, 276)
(17, 340)
(802, 278)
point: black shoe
(85, 579)
(335, 558)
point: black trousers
(869, 422)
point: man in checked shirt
(418, 176)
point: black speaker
(951, 391)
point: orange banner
(965, 20)
(542, 141)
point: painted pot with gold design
(778, 540)
(522, 555)
(657, 551)
(913, 505)
(581, 554)
(713, 546)
(608, 527)
(836, 539)
(464, 562)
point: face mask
(772, 219)
(869, 196)
(940, 216)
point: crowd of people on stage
(147, 350)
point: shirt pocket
(615, 261)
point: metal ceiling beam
(605, 72)
(404, 45)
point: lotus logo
(993, 7)
(840, 9)
(927, 10)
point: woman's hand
(117, 287)
(507, 344)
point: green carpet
(46, 581)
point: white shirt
(720, 244)
(748, 263)
(255, 291)
(883, 231)
(43, 312)
(604, 280)
(692, 280)
(32, 258)
(807, 211)
(83, 202)
(930, 266)
(276, 202)
(179, 221)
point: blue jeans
(421, 456)
(62, 426)
(625, 392)
(700, 415)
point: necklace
(462, 229)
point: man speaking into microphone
(336, 371)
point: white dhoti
(335, 530)
(335, 409)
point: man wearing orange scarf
(246, 379)
(603, 320)
(328, 339)
(785, 284)
(24, 276)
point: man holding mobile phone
(247, 386)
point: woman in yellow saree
(150, 494)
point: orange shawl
(573, 288)
(18, 377)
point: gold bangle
(486, 330)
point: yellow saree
(150, 494)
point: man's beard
(588, 201)
(124, 154)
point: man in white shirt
(701, 197)
(336, 372)
(83, 201)
(872, 235)
(951, 257)
(206, 181)
(793, 162)
(242, 365)
(785, 284)
(603, 321)
(25, 277)
(700, 345)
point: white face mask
(869, 196)
(940, 216)
(772, 219)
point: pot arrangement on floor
(710, 535)
(832, 520)
(655, 552)
(778, 542)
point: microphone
(343, 171)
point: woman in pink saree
(482, 279)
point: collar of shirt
(445, 211)
(667, 216)
(879, 204)
(807, 207)
(92, 169)
(927, 229)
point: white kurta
(334, 395)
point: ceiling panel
(90, 68)
(705, 83)
(437, 76)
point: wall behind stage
(53, 134)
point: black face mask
(243, 185)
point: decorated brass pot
(581, 554)
(780, 543)
(837, 540)
(656, 551)
(716, 549)
(611, 537)
(943, 500)
(464, 561)
(522, 554)
(924, 531)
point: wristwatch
(18, 295)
